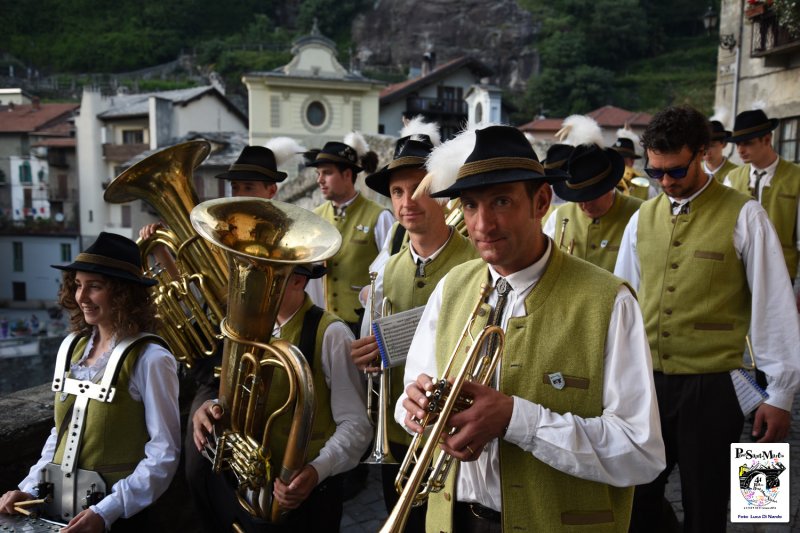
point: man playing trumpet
(408, 278)
(569, 423)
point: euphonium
(164, 181)
(379, 413)
(264, 241)
(419, 474)
(455, 216)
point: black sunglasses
(674, 173)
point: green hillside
(637, 54)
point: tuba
(419, 474)
(264, 241)
(164, 181)
(378, 403)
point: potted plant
(756, 8)
(788, 13)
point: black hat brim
(624, 152)
(773, 123)
(80, 266)
(243, 175)
(315, 272)
(318, 162)
(497, 177)
(379, 181)
(596, 190)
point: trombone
(379, 413)
(419, 474)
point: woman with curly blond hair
(116, 437)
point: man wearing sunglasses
(704, 259)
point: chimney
(428, 62)
(35, 102)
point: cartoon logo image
(759, 482)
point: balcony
(771, 40)
(435, 106)
(123, 152)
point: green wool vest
(348, 269)
(564, 330)
(780, 202)
(596, 240)
(724, 170)
(406, 291)
(114, 434)
(324, 425)
(693, 291)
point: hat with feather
(626, 143)
(417, 139)
(353, 152)
(593, 169)
(492, 155)
(260, 163)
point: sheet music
(748, 392)
(394, 334)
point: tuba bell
(190, 306)
(264, 241)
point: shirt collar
(522, 280)
(416, 257)
(766, 178)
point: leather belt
(479, 511)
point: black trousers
(700, 417)
(196, 467)
(416, 519)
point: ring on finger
(471, 451)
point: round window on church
(316, 114)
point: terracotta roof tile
(27, 118)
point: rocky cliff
(499, 33)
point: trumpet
(378, 414)
(419, 474)
(571, 246)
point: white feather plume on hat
(720, 114)
(625, 133)
(530, 137)
(580, 129)
(357, 142)
(759, 104)
(285, 149)
(444, 162)
(418, 126)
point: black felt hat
(625, 148)
(501, 154)
(111, 255)
(409, 152)
(751, 124)
(718, 132)
(311, 271)
(334, 152)
(255, 163)
(593, 172)
(557, 156)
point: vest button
(665, 334)
(672, 220)
(671, 289)
(447, 496)
(674, 265)
(335, 295)
(335, 279)
(668, 311)
(665, 356)
(420, 284)
(594, 247)
(335, 309)
(677, 243)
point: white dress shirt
(774, 329)
(621, 447)
(153, 381)
(353, 433)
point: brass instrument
(264, 241)
(571, 246)
(454, 216)
(164, 181)
(419, 474)
(379, 413)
